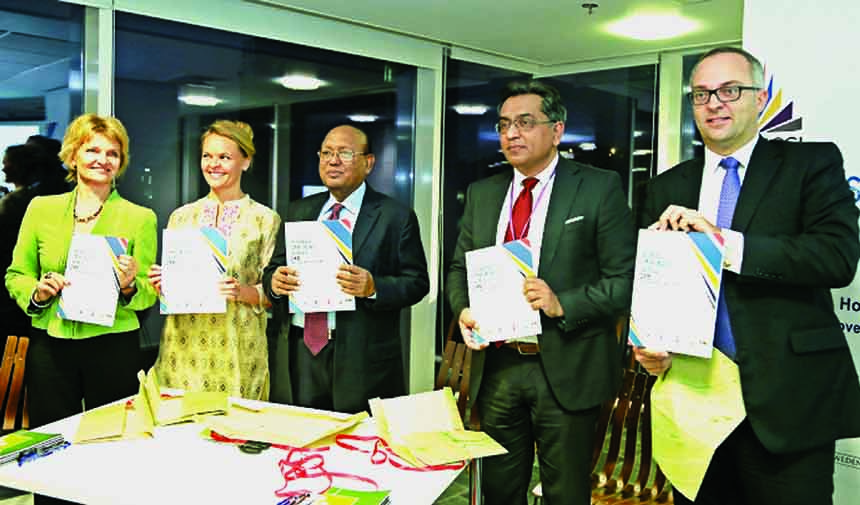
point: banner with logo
(809, 53)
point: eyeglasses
(724, 94)
(344, 155)
(522, 124)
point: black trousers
(519, 411)
(61, 372)
(311, 378)
(744, 472)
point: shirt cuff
(734, 253)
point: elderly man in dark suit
(790, 225)
(338, 361)
(545, 390)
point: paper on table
(179, 409)
(694, 406)
(194, 263)
(426, 429)
(116, 422)
(281, 425)
(317, 249)
(495, 278)
(92, 270)
(676, 286)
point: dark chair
(12, 384)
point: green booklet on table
(21, 441)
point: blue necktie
(723, 338)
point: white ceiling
(542, 32)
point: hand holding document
(92, 273)
(495, 278)
(194, 263)
(675, 291)
(317, 249)
(425, 429)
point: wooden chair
(623, 441)
(12, 384)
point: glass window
(173, 80)
(471, 149)
(691, 140)
(40, 69)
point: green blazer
(43, 245)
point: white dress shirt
(350, 210)
(546, 178)
(709, 199)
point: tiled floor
(458, 492)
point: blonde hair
(82, 129)
(237, 131)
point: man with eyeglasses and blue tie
(338, 361)
(544, 391)
(790, 227)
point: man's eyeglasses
(344, 155)
(522, 124)
(724, 94)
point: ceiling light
(638, 133)
(470, 109)
(300, 82)
(200, 95)
(588, 146)
(653, 26)
(362, 118)
(642, 152)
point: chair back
(455, 371)
(12, 384)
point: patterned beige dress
(224, 352)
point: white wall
(810, 49)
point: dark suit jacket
(587, 262)
(387, 243)
(799, 223)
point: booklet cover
(21, 441)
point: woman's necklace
(91, 217)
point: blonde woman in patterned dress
(224, 352)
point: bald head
(345, 160)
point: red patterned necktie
(521, 215)
(316, 323)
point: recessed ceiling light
(362, 118)
(200, 95)
(653, 26)
(300, 82)
(470, 109)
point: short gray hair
(756, 68)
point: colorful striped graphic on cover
(342, 237)
(116, 247)
(520, 252)
(217, 243)
(708, 249)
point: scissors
(254, 447)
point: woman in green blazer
(71, 361)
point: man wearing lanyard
(790, 225)
(545, 390)
(338, 361)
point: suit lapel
(764, 164)
(367, 217)
(564, 192)
(488, 222)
